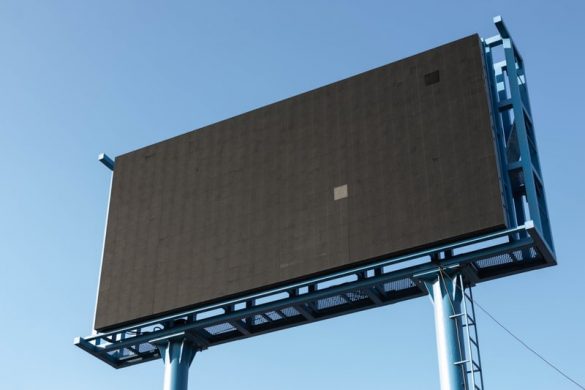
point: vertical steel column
(447, 298)
(177, 353)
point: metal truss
(525, 245)
(377, 284)
(514, 130)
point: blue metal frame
(107, 161)
(447, 300)
(525, 245)
(514, 129)
(456, 330)
(178, 352)
(376, 284)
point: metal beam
(243, 329)
(300, 300)
(115, 352)
(374, 295)
(177, 352)
(382, 263)
(447, 298)
(305, 312)
(107, 161)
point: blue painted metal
(473, 359)
(377, 284)
(178, 352)
(447, 299)
(456, 330)
(525, 245)
(107, 161)
(514, 129)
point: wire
(528, 347)
(519, 339)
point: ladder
(471, 363)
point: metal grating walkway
(373, 285)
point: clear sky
(80, 77)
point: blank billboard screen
(398, 158)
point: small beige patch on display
(340, 192)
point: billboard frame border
(528, 243)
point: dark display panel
(394, 159)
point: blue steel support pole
(447, 298)
(177, 353)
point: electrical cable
(529, 348)
(518, 339)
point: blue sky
(78, 78)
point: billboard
(398, 158)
